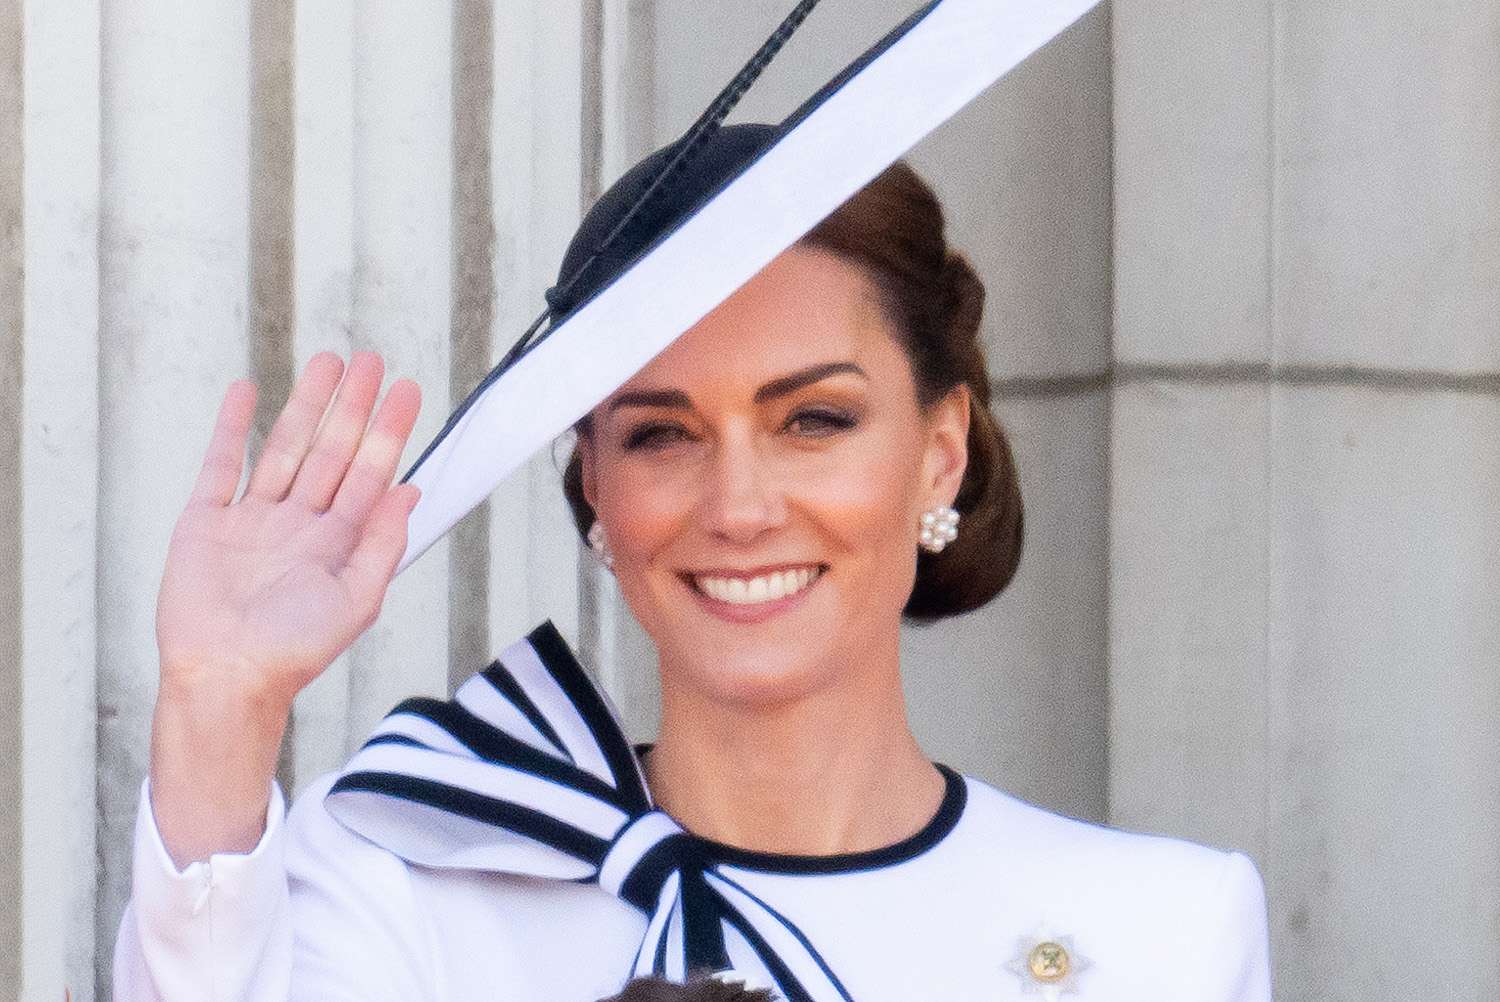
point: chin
(747, 674)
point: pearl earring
(597, 545)
(939, 528)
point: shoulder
(1089, 848)
(1145, 904)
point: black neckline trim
(949, 811)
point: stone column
(49, 290)
(618, 121)
(172, 333)
(402, 286)
(323, 275)
(1306, 562)
(12, 320)
(535, 178)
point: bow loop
(525, 770)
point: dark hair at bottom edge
(696, 990)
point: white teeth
(766, 588)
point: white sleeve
(1240, 937)
(216, 929)
(313, 912)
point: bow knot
(641, 859)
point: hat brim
(917, 77)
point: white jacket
(317, 914)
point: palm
(258, 578)
(266, 591)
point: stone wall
(1305, 471)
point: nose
(743, 496)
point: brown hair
(705, 990)
(894, 229)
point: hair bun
(964, 302)
(965, 295)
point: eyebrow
(792, 383)
(650, 398)
(778, 387)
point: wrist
(222, 697)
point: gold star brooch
(1048, 966)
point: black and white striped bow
(527, 771)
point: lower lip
(756, 612)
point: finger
(374, 464)
(225, 456)
(373, 561)
(333, 448)
(294, 428)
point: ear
(947, 447)
(588, 469)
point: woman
(773, 494)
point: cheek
(869, 502)
(645, 504)
(865, 498)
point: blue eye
(654, 435)
(820, 422)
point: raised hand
(259, 595)
(273, 586)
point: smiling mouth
(769, 587)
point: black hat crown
(644, 206)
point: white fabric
(779, 937)
(521, 659)
(656, 928)
(424, 731)
(481, 698)
(316, 914)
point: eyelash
(658, 434)
(652, 435)
(832, 421)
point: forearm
(213, 756)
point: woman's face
(760, 484)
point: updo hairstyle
(893, 228)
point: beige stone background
(1244, 270)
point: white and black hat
(652, 257)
